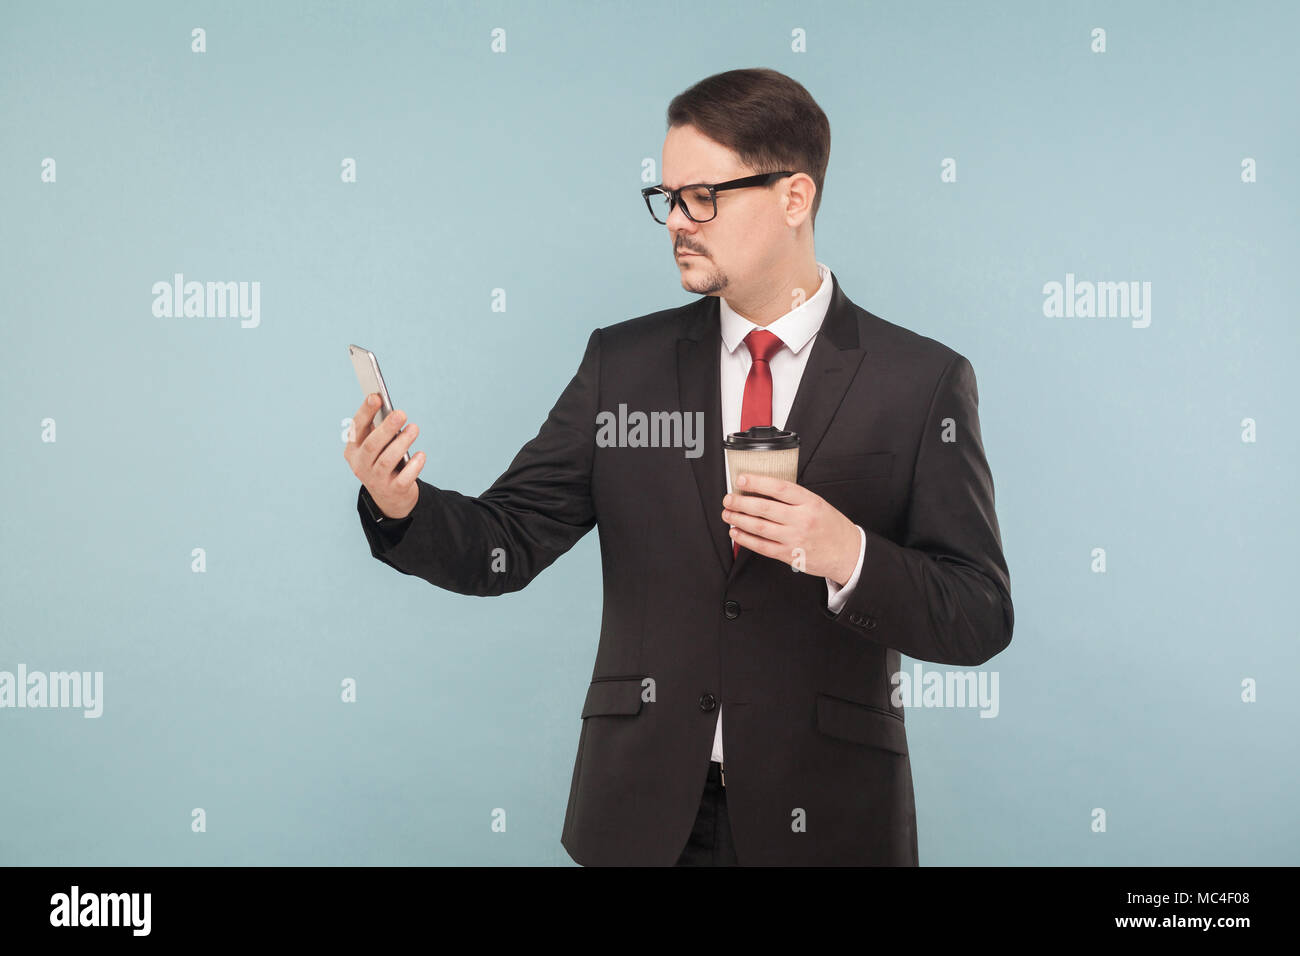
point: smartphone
(372, 380)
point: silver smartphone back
(372, 380)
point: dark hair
(767, 119)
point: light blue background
(521, 171)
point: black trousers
(710, 841)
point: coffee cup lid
(761, 438)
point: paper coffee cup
(761, 450)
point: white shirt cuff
(835, 595)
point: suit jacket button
(732, 610)
(869, 624)
(708, 702)
(855, 618)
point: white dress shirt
(797, 329)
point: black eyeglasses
(698, 200)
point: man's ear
(799, 196)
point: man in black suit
(788, 607)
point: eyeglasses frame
(675, 195)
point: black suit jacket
(816, 754)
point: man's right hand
(374, 454)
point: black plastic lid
(761, 438)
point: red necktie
(756, 405)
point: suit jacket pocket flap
(848, 467)
(613, 695)
(860, 724)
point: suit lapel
(836, 355)
(699, 388)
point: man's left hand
(797, 524)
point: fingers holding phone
(362, 423)
(379, 458)
(387, 447)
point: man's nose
(679, 222)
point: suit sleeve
(538, 509)
(944, 594)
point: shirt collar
(796, 328)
